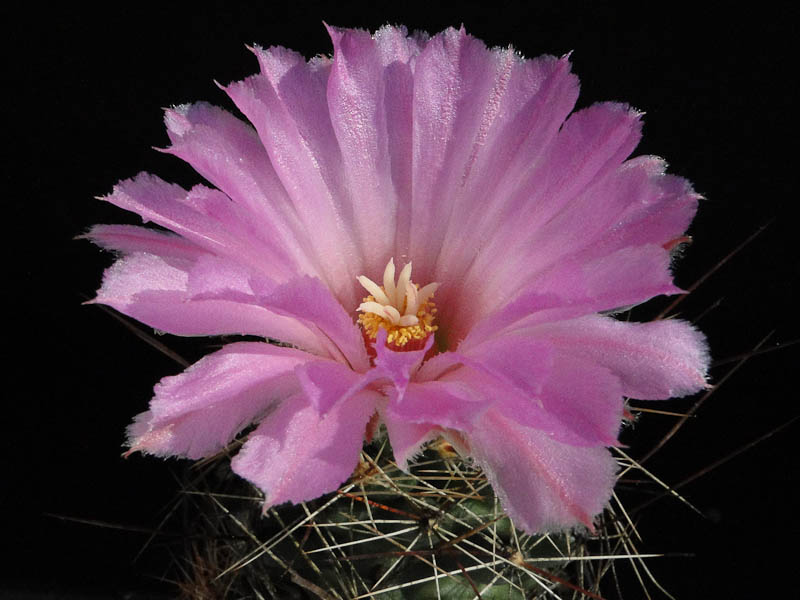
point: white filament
(398, 302)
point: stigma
(400, 307)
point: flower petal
(527, 106)
(398, 53)
(130, 238)
(658, 216)
(654, 361)
(398, 367)
(230, 155)
(186, 297)
(576, 287)
(204, 216)
(325, 383)
(287, 105)
(196, 413)
(407, 439)
(620, 279)
(528, 306)
(296, 454)
(592, 145)
(571, 234)
(520, 362)
(308, 300)
(452, 404)
(359, 112)
(523, 378)
(543, 485)
(586, 402)
(460, 88)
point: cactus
(435, 532)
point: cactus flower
(437, 242)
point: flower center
(400, 307)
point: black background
(83, 93)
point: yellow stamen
(404, 310)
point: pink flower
(524, 225)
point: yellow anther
(404, 310)
(399, 335)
